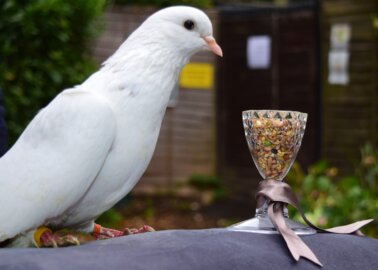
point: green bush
(330, 200)
(209, 183)
(43, 50)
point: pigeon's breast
(138, 119)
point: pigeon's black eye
(189, 24)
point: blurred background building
(316, 57)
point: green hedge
(329, 199)
(43, 50)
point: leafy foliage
(331, 200)
(209, 183)
(44, 49)
(111, 219)
(203, 182)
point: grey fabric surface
(198, 249)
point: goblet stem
(262, 211)
(261, 223)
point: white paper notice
(258, 52)
(340, 35)
(338, 67)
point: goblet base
(263, 225)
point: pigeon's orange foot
(44, 237)
(100, 232)
(143, 229)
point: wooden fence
(350, 112)
(346, 116)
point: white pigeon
(87, 149)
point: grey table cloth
(198, 249)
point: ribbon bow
(279, 193)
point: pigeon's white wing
(55, 161)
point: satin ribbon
(278, 194)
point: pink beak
(213, 46)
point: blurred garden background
(318, 57)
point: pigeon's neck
(139, 76)
(146, 51)
(144, 75)
(144, 68)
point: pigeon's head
(187, 29)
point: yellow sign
(197, 75)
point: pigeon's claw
(143, 229)
(44, 237)
(48, 240)
(67, 240)
(100, 232)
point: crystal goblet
(274, 138)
